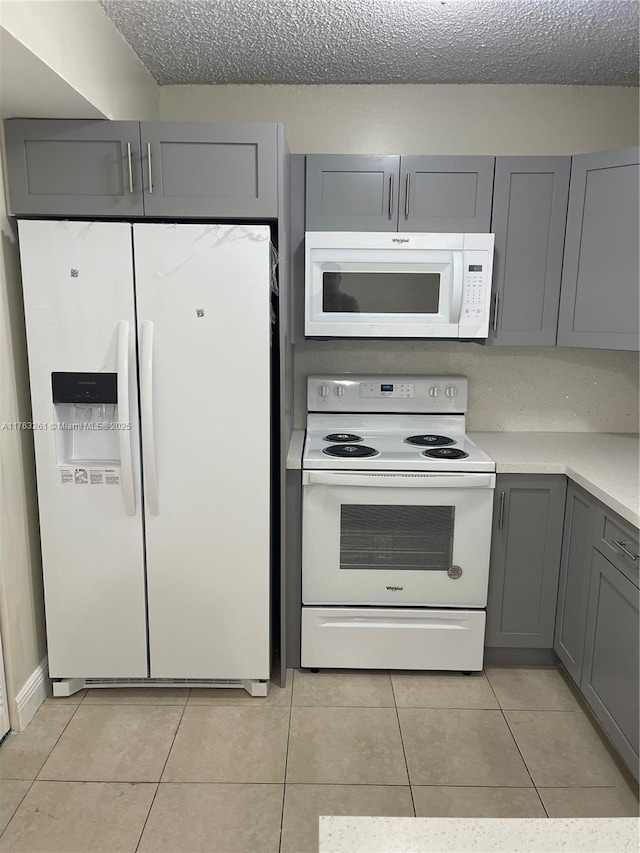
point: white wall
(21, 598)
(545, 388)
(422, 119)
(82, 51)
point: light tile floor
(215, 770)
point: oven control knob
(451, 391)
(339, 391)
(434, 391)
(323, 390)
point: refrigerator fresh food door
(203, 298)
(79, 307)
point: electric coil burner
(445, 453)
(350, 451)
(429, 440)
(397, 509)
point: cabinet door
(352, 193)
(74, 168)
(210, 170)
(573, 588)
(611, 663)
(529, 217)
(599, 300)
(445, 194)
(525, 560)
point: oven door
(383, 292)
(396, 538)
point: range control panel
(399, 394)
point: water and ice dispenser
(86, 412)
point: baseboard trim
(32, 694)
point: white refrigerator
(149, 360)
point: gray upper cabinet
(599, 301)
(352, 193)
(525, 560)
(210, 170)
(74, 168)
(445, 194)
(529, 216)
(611, 663)
(573, 588)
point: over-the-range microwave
(389, 285)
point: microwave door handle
(457, 289)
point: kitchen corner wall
(529, 388)
(21, 597)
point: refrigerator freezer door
(203, 298)
(79, 306)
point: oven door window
(381, 292)
(400, 538)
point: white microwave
(389, 285)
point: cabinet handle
(496, 303)
(149, 167)
(621, 546)
(390, 195)
(501, 516)
(407, 188)
(130, 167)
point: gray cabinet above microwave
(398, 193)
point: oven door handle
(399, 480)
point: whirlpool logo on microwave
(395, 588)
(399, 239)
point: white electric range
(397, 511)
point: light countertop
(296, 446)
(605, 464)
(480, 835)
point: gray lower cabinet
(529, 216)
(74, 168)
(575, 575)
(352, 192)
(599, 301)
(525, 560)
(210, 170)
(610, 682)
(445, 194)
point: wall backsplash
(541, 389)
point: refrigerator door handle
(124, 433)
(146, 417)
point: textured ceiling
(592, 42)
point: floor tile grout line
(15, 811)
(57, 741)
(504, 716)
(404, 752)
(35, 779)
(155, 793)
(286, 762)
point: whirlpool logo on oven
(395, 588)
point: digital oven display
(386, 387)
(475, 267)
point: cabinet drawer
(618, 542)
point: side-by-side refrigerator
(149, 360)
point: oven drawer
(385, 638)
